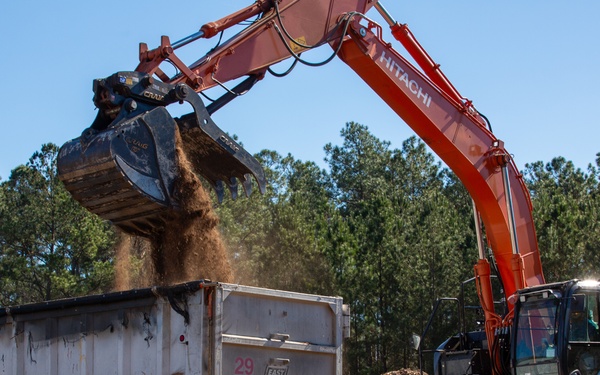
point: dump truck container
(193, 328)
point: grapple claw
(125, 170)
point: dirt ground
(404, 372)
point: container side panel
(268, 316)
(8, 350)
(265, 331)
(188, 341)
(152, 340)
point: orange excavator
(124, 167)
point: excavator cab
(125, 166)
(556, 329)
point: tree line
(388, 229)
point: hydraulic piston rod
(510, 211)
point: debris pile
(405, 371)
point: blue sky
(530, 66)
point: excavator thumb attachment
(127, 171)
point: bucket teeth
(215, 155)
(233, 185)
(219, 189)
(247, 184)
(233, 188)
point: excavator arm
(124, 166)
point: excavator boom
(458, 135)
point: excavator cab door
(556, 329)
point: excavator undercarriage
(124, 167)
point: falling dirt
(188, 247)
(123, 262)
(133, 267)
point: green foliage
(275, 238)
(566, 209)
(395, 243)
(50, 247)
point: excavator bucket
(127, 172)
